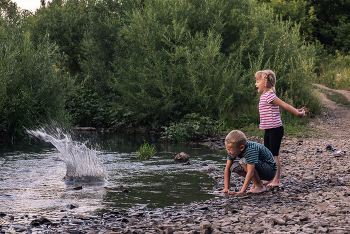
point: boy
(255, 163)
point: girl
(270, 118)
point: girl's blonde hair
(269, 77)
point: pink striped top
(270, 116)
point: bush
(33, 87)
(191, 127)
(183, 60)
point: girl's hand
(302, 109)
(302, 112)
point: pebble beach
(314, 197)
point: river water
(32, 175)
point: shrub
(146, 151)
(33, 88)
(191, 127)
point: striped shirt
(254, 152)
(270, 116)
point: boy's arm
(299, 113)
(248, 177)
(227, 176)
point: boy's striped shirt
(254, 152)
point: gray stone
(182, 157)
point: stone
(182, 157)
(278, 220)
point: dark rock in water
(2, 215)
(114, 211)
(125, 191)
(78, 188)
(182, 157)
(203, 164)
(38, 222)
(70, 206)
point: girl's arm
(299, 113)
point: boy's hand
(225, 191)
(240, 192)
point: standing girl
(270, 118)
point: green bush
(32, 86)
(183, 60)
(191, 127)
(146, 151)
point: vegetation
(191, 127)
(181, 67)
(335, 97)
(33, 87)
(146, 151)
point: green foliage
(32, 87)
(334, 72)
(322, 20)
(89, 108)
(160, 60)
(146, 151)
(191, 127)
(183, 60)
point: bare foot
(266, 182)
(274, 184)
(257, 190)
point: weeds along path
(335, 118)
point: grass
(335, 97)
(146, 151)
(299, 128)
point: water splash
(82, 164)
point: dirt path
(335, 119)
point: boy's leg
(257, 186)
(237, 168)
(264, 172)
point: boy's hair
(236, 137)
(269, 77)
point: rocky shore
(314, 198)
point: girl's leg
(275, 138)
(276, 181)
(267, 145)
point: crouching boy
(249, 159)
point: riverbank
(314, 196)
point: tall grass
(334, 72)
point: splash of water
(81, 162)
